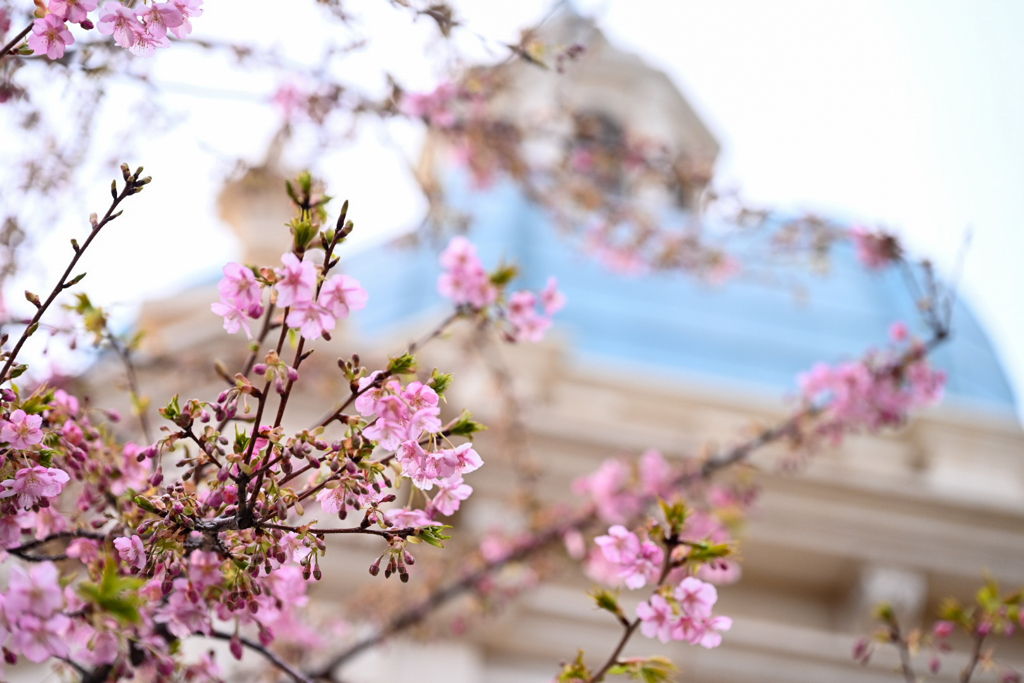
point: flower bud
(236, 648)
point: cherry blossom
(74, 11)
(35, 484)
(37, 592)
(188, 9)
(22, 431)
(50, 36)
(342, 294)
(39, 638)
(875, 250)
(235, 316)
(657, 619)
(553, 300)
(310, 318)
(296, 281)
(160, 16)
(132, 551)
(696, 597)
(239, 284)
(121, 22)
(450, 494)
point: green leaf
(465, 425)
(675, 515)
(434, 535)
(439, 381)
(575, 671)
(503, 275)
(608, 601)
(117, 595)
(402, 365)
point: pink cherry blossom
(404, 518)
(619, 545)
(419, 395)
(132, 551)
(74, 11)
(239, 284)
(50, 36)
(121, 22)
(204, 569)
(644, 567)
(898, 332)
(296, 281)
(12, 526)
(37, 592)
(332, 500)
(84, 549)
(159, 17)
(695, 597)
(22, 431)
(366, 402)
(656, 618)
(875, 250)
(293, 546)
(469, 460)
(532, 328)
(450, 495)
(552, 299)
(235, 316)
(310, 318)
(609, 490)
(33, 484)
(434, 107)
(38, 639)
(655, 474)
(465, 281)
(185, 613)
(65, 401)
(291, 100)
(188, 9)
(342, 294)
(710, 631)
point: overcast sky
(907, 114)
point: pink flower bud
(236, 648)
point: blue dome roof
(742, 333)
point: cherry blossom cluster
(141, 29)
(435, 107)
(684, 614)
(994, 614)
(876, 392)
(314, 304)
(875, 249)
(467, 283)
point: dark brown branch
(968, 672)
(270, 656)
(9, 47)
(131, 186)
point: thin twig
(131, 186)
(270, 656)
(6, 49)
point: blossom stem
(671, 543)
(131, 186)
(9, 47)
(968, 672)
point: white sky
(905, 113)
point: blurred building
(659, 361)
